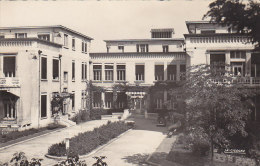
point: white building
(36, 64)
(208, 43)
(138, 63)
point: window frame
(58, 68)
(42, 68)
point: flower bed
(84, 143)
(18, 134)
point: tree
(217, 105)
(244, 16)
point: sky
(105, 20)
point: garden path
(38, 147)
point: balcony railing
(9, 82)
(251, 81)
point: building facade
(38, 64)
(210, 43)
(140, 64)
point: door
(238, 70)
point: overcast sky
(103, 20)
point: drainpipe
(39, 86)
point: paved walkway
(131, 149)
(38, 147)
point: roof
(215, 34)
(51, 26)
(145, 40)
(198, 22)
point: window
(86, 47)
(158, 100)
(2, 36)
(121, 99)
(83, 99)
(73, 101)
(44, 37)
(84, 71)
(97, 72)
(9, 66)
(66, 42)
(182, 72)
(162, 34)
(96, 99)
(43, 106)
(142, 48)
(108, 99)
(139, 72)
(121, 48)
(73, 43)
(55, 69)
(44, 68)
(171, 72)
(20, 35)
(165, 48)
(9, 109)
(238, 68)
(121, 72)
(73, 70)
(65, 76)
(82, 46)
(109, 71)
(217, 62)
(159, 72)
(238, 54)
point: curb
(93, 151)
(7, 146)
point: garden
(84, 143)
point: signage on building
(9, 82)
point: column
(227, 62)
(115, 73)
(165, 70)
(248, 64)
(165, 96)
(102, 99)
(178, 71)
(207, 58)
(103, 72)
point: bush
(86, 142)
(58, 149)
(81, 116)
(95, 114)
(53, 126)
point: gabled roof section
(51, 26)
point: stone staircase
(64, 120)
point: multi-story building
(38, 64)
(209, 43)
(138, 63)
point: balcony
(250, 81)
(9, 82)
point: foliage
(72, 161)
(18, 134)
(95, 113)
(19, 159)
(81, 116)
(241, 15)
(216, 105)
(57, 102)
(88, 141)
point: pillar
(227, 61)
(102, 99)
(103, 72)
(115, 73)
(165, 70)
(178, 71)
(248, 64)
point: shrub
(81, 116)
(58, 149)
(86, 142)
(95, 114)
(53, 126)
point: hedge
(84, 143)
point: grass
(20, 134)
